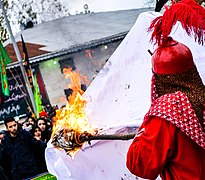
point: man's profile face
(12, 128)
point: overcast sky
(104, 5)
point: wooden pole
(123, 137)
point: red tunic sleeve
(151, 147)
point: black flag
(26, 63)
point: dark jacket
(46, 135)
(2, 174)
(21, 152)
(4, 165)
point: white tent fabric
(118, 99)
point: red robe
(167, 147)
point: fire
(89, 55)
(72, 120)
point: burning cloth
(119, 98)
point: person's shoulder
(178, 95)
(169, 99)
(24, 133)
(1, 147)
(6, 134)
(6, 139)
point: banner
(37, 97)
(43, 176)
(4, 60)
(16, 104)
(26, 63)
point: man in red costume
(171, 140)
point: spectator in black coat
(40, 154)
(20, 147)
(3, 175)
(46, 131)
(5, 169)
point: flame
(73, 117)
(89, 54)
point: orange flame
(73, 117)
(89, 54)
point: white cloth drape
(118, 98)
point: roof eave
(73, 49)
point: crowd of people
(22, 145)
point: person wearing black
(46, 130)
(40, 157)
(4, 161)
(20, 147)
